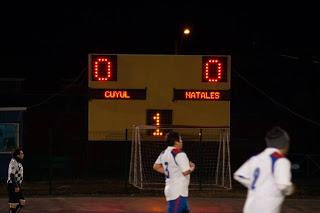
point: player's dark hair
(277, 138)
(16, 152)
(171, 137)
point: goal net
(207, 147)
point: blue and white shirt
(175, 162)
(268, 179)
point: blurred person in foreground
(267, 176)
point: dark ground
(305, 189)
(149, 204)
(113, 195)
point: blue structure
(11, 132)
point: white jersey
(174, 162)
(268, 179)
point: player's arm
(158, 167)
(282, 175)
(242, 175)
(186, 166)
(188, 172)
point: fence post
(125, 162)
(50, 160)
(201, 160)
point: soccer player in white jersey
(15, 178)
(175, 165)
(267, 175)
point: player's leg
(22, 201)
(13, 200)
(13, 207)
(174, 205)
(184, 205)
(19, 208)
(21, 205)
(179, 205)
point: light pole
(181, 36)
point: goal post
(207, 147)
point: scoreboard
(127, 90)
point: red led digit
(102, 69)
(213, 70)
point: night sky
(275, 53)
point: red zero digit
(213, 70)
(102, 69)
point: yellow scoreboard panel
(160, 90)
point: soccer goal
(207, 147)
